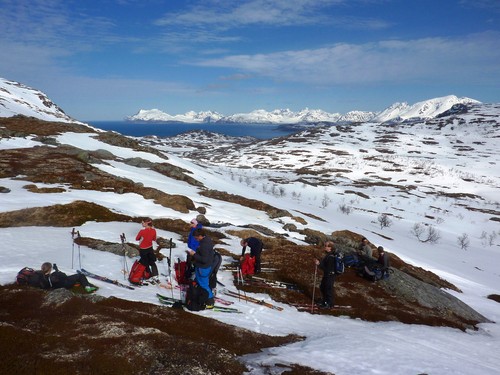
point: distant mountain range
(18, 99)
(397, 112)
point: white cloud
(223, 15)
(472, 58)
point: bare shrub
(425, 234)
(325, 201)
(384, 221)
(345, 209)
(488, 239)
(463, 241)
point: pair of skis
(265, 283)
(246, 298)
(105, 279)
(169, 301)
(315, 309)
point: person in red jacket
(147, 235)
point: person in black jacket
(203, 260)
(256, 247)
(58, 279)
(327, 265)
(383, 261)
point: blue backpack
(339, 264)
(351, 260)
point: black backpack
(28, 276)
(196, 297)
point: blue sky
(104, 60)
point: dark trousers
(326, 288)
(77, 278)
(256, 255)
(148, 259)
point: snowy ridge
(18, 99)
(421, 110)
(395, 113)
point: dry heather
(61, 333)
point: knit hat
(380, 249)
(194, 221)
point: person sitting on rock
(383, 261)
(364, 250)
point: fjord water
(136, 129)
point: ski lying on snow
(275, 283)
(104, 278)
(266, 283)
(308, 307)
(170, 301)
(251, 299)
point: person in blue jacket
(203, 260)
(193, 244)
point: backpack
(196, 297)
(339, 264)
(351, 260)
(212, 279)
(138, 272)
(180, 273)
(248, 265)
(28, 276)
(372, 273)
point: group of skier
(200, 263)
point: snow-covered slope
(18, 99)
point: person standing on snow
(192, 245)
(147, 256)
(327, 265)
(203, 260)
(256, 247)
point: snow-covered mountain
(18, 99)
(159, 116)
(258, 116)
(421, 110)
(397, 112)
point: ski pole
(170, 268)
(123, 239)
(79, 255)
(72, 247)
(314, 287)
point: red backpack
(28, 276)
(248, 265)
(138, 273)
(180, 273)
